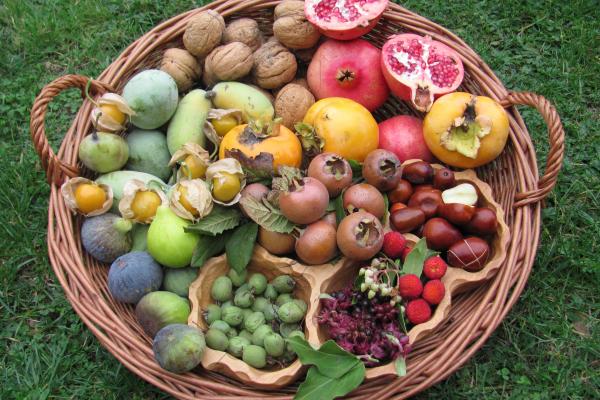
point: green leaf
(240, 245)
(356, 170)
(415, 259)
(386, 213)
(331, 206)
(219, 220)
(266, 215)
(208, 246)
(340, 213)
(331, 360)
(317, 386)
(400, 365)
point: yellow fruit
(193, 168)
(144, 205)
(282, 144)
(89, 197)
(183, 200)
(113, 112)
(224, 125)
(346, 127)
(466, 131)
(226, 187)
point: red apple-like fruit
(403, 136)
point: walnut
(292, 28)
(182, 66)
(274, 65)
(244, 30)
(298, 81)
(203, 33)
(230, 62)
(292, 103)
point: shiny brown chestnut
(427, 200)
(440, 234)
(471, 254)
(424, 186)
(483, 223)
(456, 213)
(397, 206)
(401, 193)
(418, 172)
(443, 179)
(407, 219)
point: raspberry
(434, 267)
(418, 311)
(434, 291)
(393, 244)
(410, 286)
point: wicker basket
(474, 315)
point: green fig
(103, 152)
(168, 243)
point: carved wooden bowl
(313, 280)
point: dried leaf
(255, 168)
(266, 215)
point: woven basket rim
(514, 178)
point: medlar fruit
(381, 168)
(360, 236)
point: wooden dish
(316, 279)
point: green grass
(547, 348)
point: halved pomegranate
(419, 69)
(344, 19)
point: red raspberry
(409, 286)
(418, 311)
(393, 244)
(434, 291)
(435, 267)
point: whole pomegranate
(419, 69)
(403, 136)
(345, 69)
(360, 236)
(344, 19)
(305, 202)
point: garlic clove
(465, 193)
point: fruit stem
(88, 85)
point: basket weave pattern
(474, 315)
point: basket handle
(556, 135)
(56, 169)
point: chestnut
(443, 179)
(440, 234)
(427, 200)
(397, 206)
(471, 254)
(381, 168)
(418, 172)
(424, 186)
(456, 213)
(483, 223)
(401, 193)
(407, 219)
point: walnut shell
(203, 33)
(182, 66)
(292, 28)
(244, 30)
(274, 65)
(292, 103)
(230, 62)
